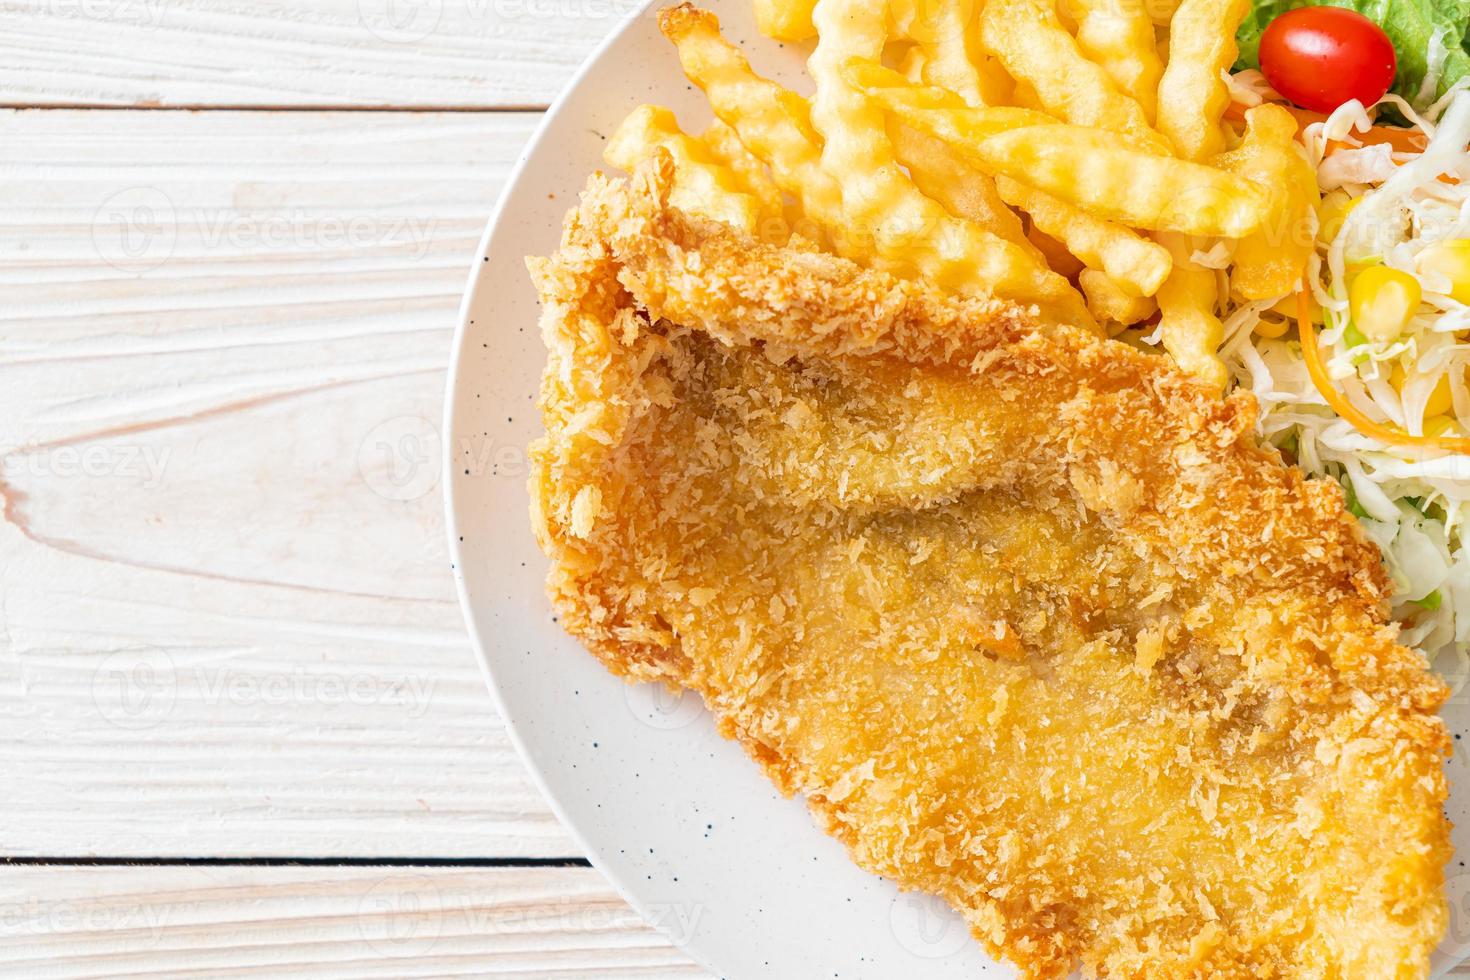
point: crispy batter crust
(1031, 619)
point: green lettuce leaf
(1416, 27)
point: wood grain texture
(312, 53)
(327, 923)
(227, 624)
(324, 923)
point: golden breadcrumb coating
(1032, 620)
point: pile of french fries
(1073, 157)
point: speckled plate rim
(699, 844)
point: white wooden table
(241, 725)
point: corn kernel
(1286, 306)
(1351, 268)
(1440, 400)
(1332, 212)
(1383, 300)
(1452, 260)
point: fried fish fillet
(1032, 620)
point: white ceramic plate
(675, 816)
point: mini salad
(1371, 388)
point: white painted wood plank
(227, 625)
(260, 53)
(325, 923)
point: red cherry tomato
(1320, 57)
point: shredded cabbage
(1413, 502)
(1365, 165)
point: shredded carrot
(1339, 403)
(1402, 140)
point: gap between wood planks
(263, 107)
(311, 862)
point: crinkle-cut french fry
(1087, 168)
(1132, 262)
(702, 184)
(753, 176)
(1270, 262)
(997, 87)
(1025, 97)
(941, 31)
(937, 170)
(1034, 47)
(1119, 36)
(1161, 12)
(1192, 93)
(992, 85)
(1189, 328)
(963, 122)
(772, 122)
(785, 20)
(965, 192)
(1110, 302)
(1055, 253)
(880, 202)
(911, 65)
